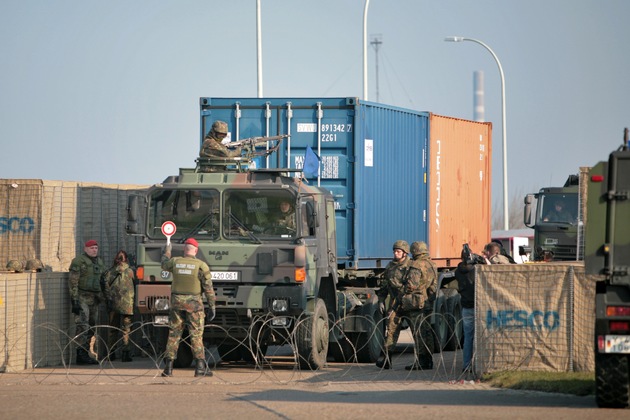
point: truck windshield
(264, 214)
(558, 208)
(194, 212)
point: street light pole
(365, 72)
(506, 224)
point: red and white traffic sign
(168, 230)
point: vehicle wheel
(370, 344)
(455, 331)
(440, 324)
(229, 352)
(612, 380)
(341, 351)
(312, 337)
(184, 356)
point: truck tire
(440, 323)
(455, 332)
(370, 344)
(341, 351)
(312, 337)
(612, 380)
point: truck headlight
(280, 321)
(279, 305)
(162, 304)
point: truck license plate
(224, 275)
(618, 344)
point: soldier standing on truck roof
(212, 145)
(421, 279)
(191, 278)
(86, 295)
(392, 285)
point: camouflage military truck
(382, 175)
(608, 258)
(274, 284)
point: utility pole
(376, 43)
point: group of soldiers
(411, 286)
(91, 284)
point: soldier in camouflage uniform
(119, 291)
(286, 220)
(191, 278)
(422, 279)
(213, 147)
(392, 284)
(86, 295)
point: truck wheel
(612, 380)
(341, 351)
(455, 331)
(440, 324)
(370, 344)
(312, 337)
(184, 356)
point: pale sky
(108, 91)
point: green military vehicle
(607, 256)
(555, 221)
(276, 283)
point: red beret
(192, 241)
(90, 243)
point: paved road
(278, 391)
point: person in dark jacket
(465, 276)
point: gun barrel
(256, 140)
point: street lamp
(505, 180)
(366, 6)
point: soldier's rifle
(250, 143)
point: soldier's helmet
(418, 248)
(34, 265)
(220, 127)
(15, 265)
(400, 244)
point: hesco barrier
(534, 317)
(51, 220)
(528, 317)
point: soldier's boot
(126, 356)
(383, 361)
(168, 367)
(83, 358)
(201, 370)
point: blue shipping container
(374, 160)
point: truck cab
(555, 221)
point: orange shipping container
(459, 208)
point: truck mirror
(527, 211)
(131, 227)
(132, 208)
